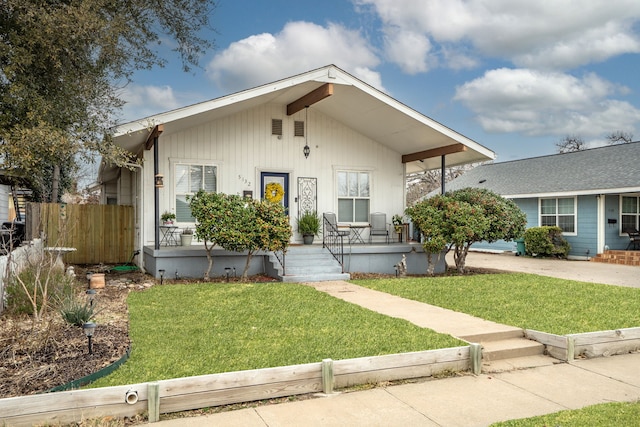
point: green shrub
(546, 241)
(75, 312)
(36, 286)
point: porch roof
(352, 102)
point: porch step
(508, 350)
(309, 263)
(618, 257)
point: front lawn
(197, 329)
(606, 414)
(524, 300)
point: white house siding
(241, 145)
(5, 202)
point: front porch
(191, 261)
(619, 257)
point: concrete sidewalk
(460, 401)
(464, 400)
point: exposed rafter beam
(153, 135)
(311, 98)
(435, 152)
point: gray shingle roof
(598, 170)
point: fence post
(571, 349)
(327, 376)
(475, 353)
(153, 396)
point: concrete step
(303, 278)
(525, 362)
(507, 333)
(510, 349)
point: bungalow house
(593, 195)
(329, 141)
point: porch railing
(333, 240)
(280, 256)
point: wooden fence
(183, 394)
(99, 233)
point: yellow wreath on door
(274, 192)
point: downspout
(156, 225)
(140, 213)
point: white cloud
(546, 103)
(299, 47)
(550, 34)
(143, 101)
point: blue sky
(515, 76)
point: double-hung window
(559, 212)
(191, 178)
(354, 194)
(630, 212)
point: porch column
(600, 220)
(442, 177)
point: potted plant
(397, 221)
(167, 217)
(186, 237)
(309, 226)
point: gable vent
(298, 128)
(276, 127)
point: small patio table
(169, 235)
(356, 233)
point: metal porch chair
(379, 226)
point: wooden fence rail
(183, 394)
(99, 233)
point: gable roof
(356, 104)
(603, 170)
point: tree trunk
(209, 260)
(246, 266)
(55, 184)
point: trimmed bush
(546, 241)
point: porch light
(159, 180)
(306, 150)
(89, 328)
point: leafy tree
(62, 66)
(571, 143)
(209, 211)
(238, 224)
(430, 220)
(463, 217)
(504, 220)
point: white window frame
(557, 215)
(636, 214)
(189, 162)
(359, 197)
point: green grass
(185, 330)
(606, 414)
(524, 300)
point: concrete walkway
(465, 400)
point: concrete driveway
(585, 271)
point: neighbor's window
(559, 212)
(353, 196)
(630, 211)
(189, 180)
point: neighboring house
(331, 142)
(593, 195)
